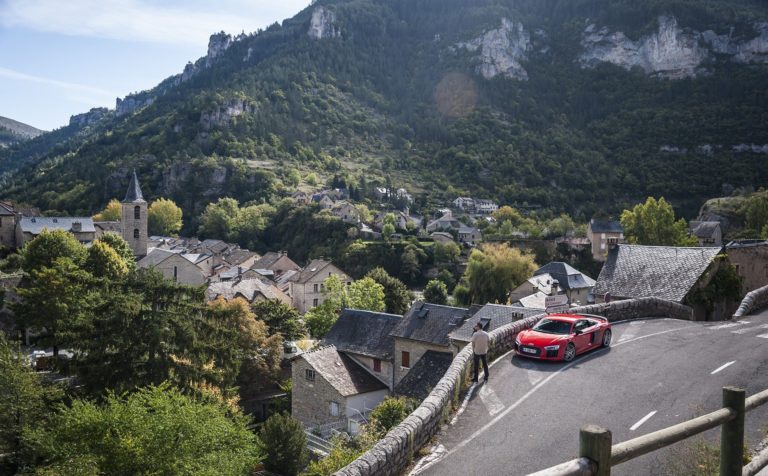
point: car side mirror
(577, 331)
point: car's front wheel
(570, 352)
(607, 338)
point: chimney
(77, 226)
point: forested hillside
(522, 101)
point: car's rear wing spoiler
(593, 316)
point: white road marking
(764, 336)
(492, 402)
(642, 420)
(530, 392)
(729, 325)
(472, 391)
(722, 367)
(747, 330)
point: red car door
(584, 337)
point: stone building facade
(750, 257)
(306, 287)
(134, 220)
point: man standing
(480, 342)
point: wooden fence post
(595, 444)
(732, 433)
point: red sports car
(563, 336)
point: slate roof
(537, 300)
(430, 323)
(6, 209)
(704, 229)
(133, 194)
(249, 289)
(315, 267)
(108, 226)
(424, 375)
(35, 225)
(492, 316)
(667, 272)
(567, 276)
(155, 257)
(270, 258)
(605, 226)
(237, 257)
(343, 373)
(364, 332)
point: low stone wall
(753, 301)
(393, 453)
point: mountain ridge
(12, 131)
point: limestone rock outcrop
(323, 24)
(501, 50)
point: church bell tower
(133, 218)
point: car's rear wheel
(570, 352)
(607, 338)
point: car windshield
(549, 326)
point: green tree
(755, 210)
(447, 252)
(390, 412)
(165, 217)
(448, 279)
(436, 292)
(104, 262)
(397, 298)
(53, 298)
(507, 213)
(560, 226)
(320, 319)
(249, 224)
(342, 453)
(293, 178)
(653, 223)
(494, 270)
(283, 441)
(49, 246)
(24, 402)
(122, 248)
(366, 294)
(280, 318)
(409, 262)
(217, 218)
(111, 212)
(387, 231)
(365, 213)
(156, 430)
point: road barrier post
(595, 444)
(732, 433)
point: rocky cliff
(89, 118)
(501, 50)
(323, 24)
(672, 51)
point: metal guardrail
(597, 455)
(318, 444)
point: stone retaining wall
(393, 453)
(753, 301)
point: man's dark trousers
(478, 358)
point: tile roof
(133, 194)
(312, 269)
(605, 226)
(667, 272)
(492, 316)
(249, 289)
(567, 276)
(364, 332)
(430, 323)
(343, 373)
(35, 225)
(424, 375)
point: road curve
(657, 373)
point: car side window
(581, 325)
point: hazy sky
(63, 57)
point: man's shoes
(474, 380)
(486, 378)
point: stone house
(401, 219)
(306, 287)
(346, 211)
(365, 337)
(276, 261)
(424, 327)
(446, 222)
(28, 228)
(322, 199)
(556, 278)
(603, 235)
(300, 198)
(7, 225)
(707, 233)
(485, 207)
(666, 272)
(464, 204)
(174, 266)
(750, 257)
(442, 237)
(470, 235)
(331, 390)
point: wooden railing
(597, 454)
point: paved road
(657, 373)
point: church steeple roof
(134, 191)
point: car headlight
(552, 347)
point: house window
(137, 212)
(135, 233)
(309, 374)
(377, 365)
(613, 241)
(405, 359)
(334, 409)
(315, 288)
(314, 302)
(175, 273)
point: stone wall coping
(753, 301)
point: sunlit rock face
(501, 50)
(672, 51)
(322, 24)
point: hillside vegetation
(392, 96)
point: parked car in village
(563, 337)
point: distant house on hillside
(666, 272)
(252, 290)
(490, 317)
(707, 233)
(277, 262)
(7, 225)
(174, 266)
(486, 206)
(29, 227)
(552, 279)
(470, 235)
(446, 222)
(603, 235)
(346, 211)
